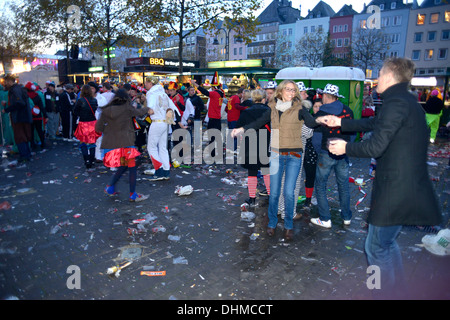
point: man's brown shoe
(270, 232)
(288, 234)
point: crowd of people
(297, 129)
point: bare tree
(182, 18)
(310, 48)
(369, 48)
(283, 52)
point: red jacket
(215, 102)
(234, 108)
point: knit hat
(94, 85)
(173, 85)
(332, 90)
(30, 86)
(434, 92)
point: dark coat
(248, 116)
(19, 105)
(85, 109)
(402, 192)
(434, 105)
(117, 126)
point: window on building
(447, 16)
(418, 37)
(339, 43)
(313, 29)
(397, 20)
(335, 29)
(431, 36)
(320, 28)
(346, 42)
(415, 55)
(395, 38)
(345, 27)
(290, 31)
(235, 51)
(421, 19)
(305, 30)
(363, 24)
(240, 50)
(382, 6)
(445, 35)
(429, 54)
(434, 18)
(385, 21)
(442, 54)
(393, 5)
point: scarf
(283, 106)
(32, 94)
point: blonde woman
(287, 117)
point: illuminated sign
(96, 69)
(236, 64)
(156, 61)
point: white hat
(301, 86)
(333, 90)
(271, 85)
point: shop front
(234, 74)
(167, 69)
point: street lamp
(227, 41)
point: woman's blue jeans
(279, 164)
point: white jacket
(159, 102)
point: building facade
(428, 40)
(340, 32)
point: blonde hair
(246, 95)
(279, 90)
(258, 95)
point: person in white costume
(101, 101)
(163, 115)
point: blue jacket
(322, 134)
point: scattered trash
(180, 260)
(24, 191)
(150, 172)
(228, 181)
(174, 238)
(153, 273)
(247, 216)
(254, 236)
(58, 227)
(339, 271)
(116, 269)
(438, 244)
(5, 205)
(184, 191)
(158, 229)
